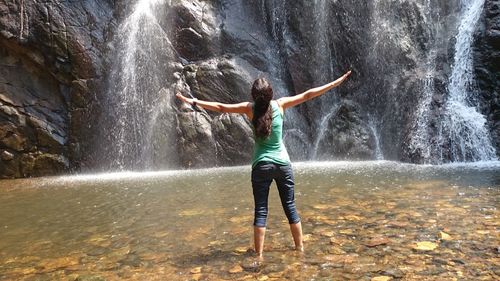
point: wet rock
(381, 278)
(377, 241)
(90, 278)
(487, 73)
(50, 265)
(335, 250)
(242, 250)
(236, 269)
(432, 271)
(223, 79)
(228, 130)
(394, 272)
(97, 251)
(12, 138)
(196, 140)
(196, 270)
(425, 246)
(48, 164)
(79, 93)
(191, 212)
(7, 156)
(445, 236)
(250, 266)
(346, 259)
(191, 44)
(195, 29)
(44, 48)
(307, 237)
(132, 259)
(347, 137)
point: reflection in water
(360, 219)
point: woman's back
(272, 149)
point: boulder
(346, 136)
(197, 147)
(234, 139)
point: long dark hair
(262, 94)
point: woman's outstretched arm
(287, 102)
(242, 108)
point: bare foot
(299, 248)
(253, 265)
(259, 258)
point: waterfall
(322, 50)
(378, 150)
(464, 133)
(323, 127)
(421, 135)
(139, 71)
(139, 99)
(421, 138)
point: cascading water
(421, 136)
(445, 125)
(322, 130)
(140, 70)
(463, 133)
(378, 150)
(421, 139)
(323, 73)
(322, 50)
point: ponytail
(262, 94)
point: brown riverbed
(362, 221)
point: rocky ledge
(51, 61)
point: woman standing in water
(270, 158)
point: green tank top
(272, 149)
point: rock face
(66, 105)
(487, 67)
(50, 63)
(345, 136)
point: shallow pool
(361, 220)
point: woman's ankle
(259, 257)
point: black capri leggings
(263, 175)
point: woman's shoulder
(277, 106)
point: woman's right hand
(183, 98)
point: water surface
(361, 220)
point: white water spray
(143, 52)
(464, 129)
(378, 150)
(323, 127)
(421, 137)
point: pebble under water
(361, 221)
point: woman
(270, 159)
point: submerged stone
(196, 270)
(445, 236)
(236, 269)
(381, 278)
(425, 246)
(90, 278)
(377, 241)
